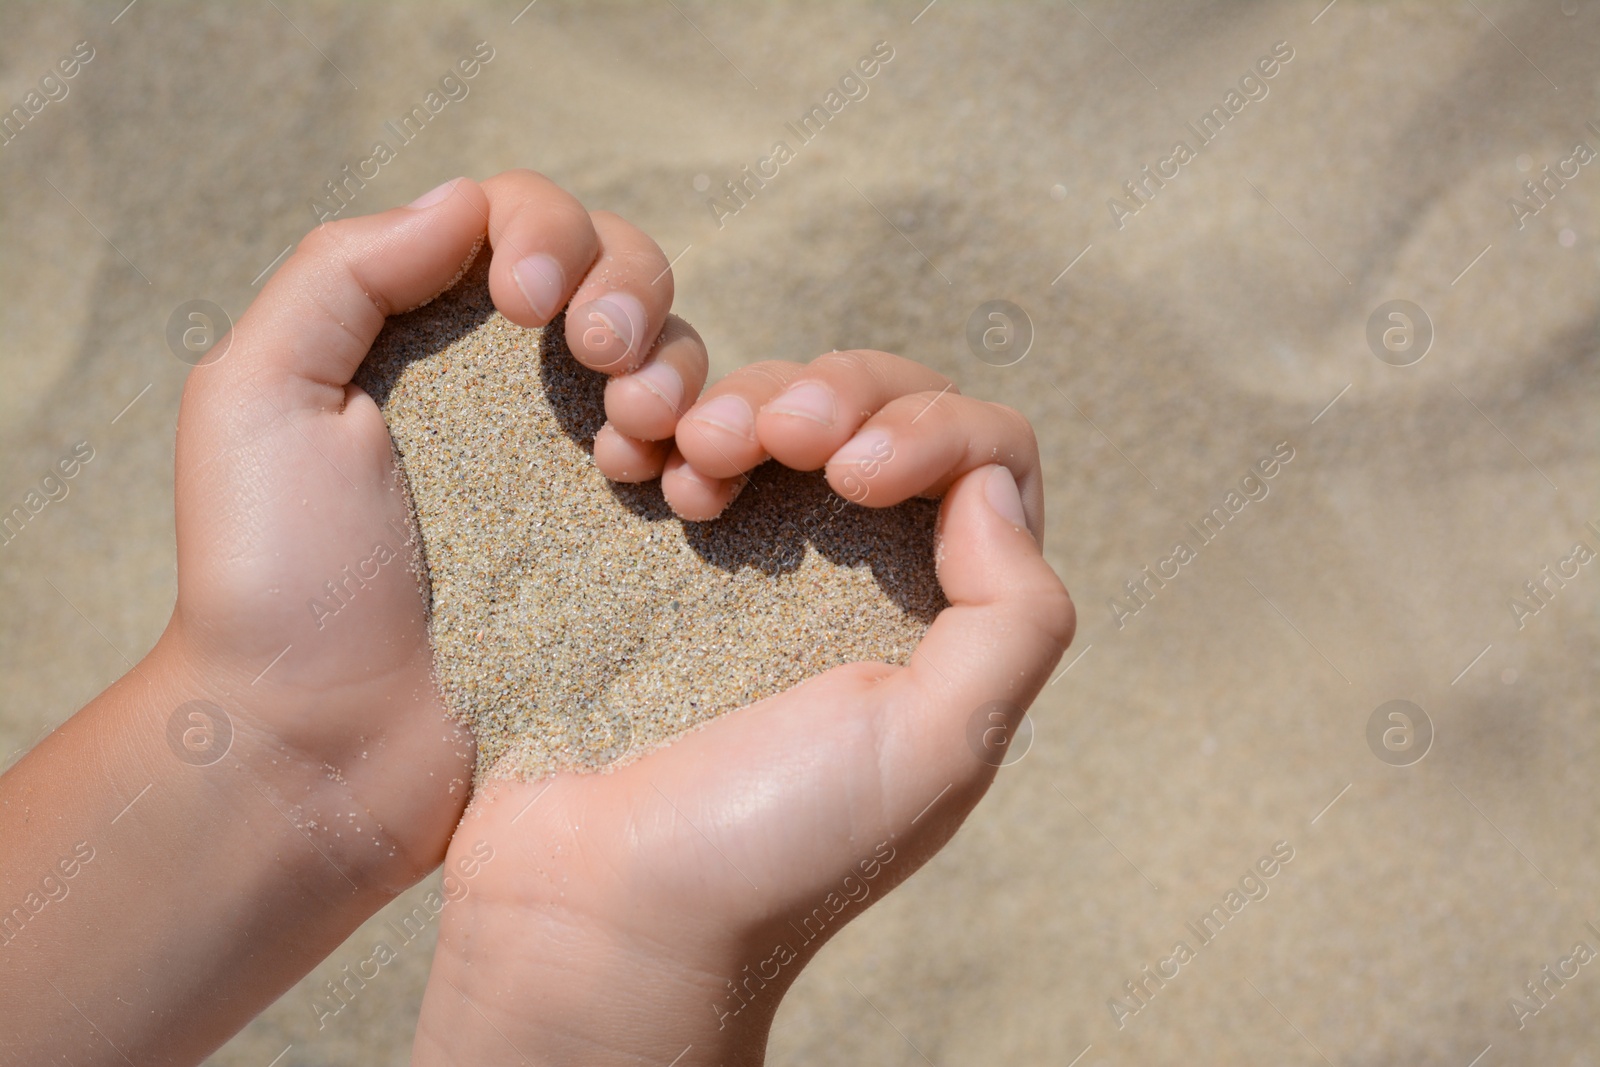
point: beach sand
(578, 624)
(1230, 313)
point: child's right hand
(669, 903)
(288, 498)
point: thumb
(303, 338)
(986, 656)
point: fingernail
(809, 400)
(664, 381)
(1001, 490)
(432, 196)
(728, 412)
(867, 449)
(542, 282)
(616, 319)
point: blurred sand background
(1222, 319)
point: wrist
(571, 992)
(377, 804)
(196, 851)
(216, 785)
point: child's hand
(281, 764)
(300, 610)
(627, 916)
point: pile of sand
(578, 623)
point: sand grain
(577, 623)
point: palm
(315, 625)
(305, 567)
(308, 553)
(746, 823)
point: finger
(828, 401)
(622, 303)
(627, 459)
(695, 496)
(919, 444)
(315, 320)
(718, 435)
(646, 404)
(544, 242)
(1009, 621)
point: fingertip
(856, 464)
(542, 282)
(694, 496)
(646, 404)
(543, 243)
(622, 303)
(1004, 499)
(718, 436)
(986, 558)
(800, 427)
(624, 459)
(982, 533)
(609, 333)
(437, 195)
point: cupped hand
(661, 909)
(302, 604)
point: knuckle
(679, 332)
(335, 246)
(1052, 614)
(776, 371)
(884, 371)
(329, 241)
(849, 363)
(1017, 423)
(642, 264)
(1013, 417)
(515, 174)
(564, 212)
(523, 197)
(620, 230)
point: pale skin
(617, 905)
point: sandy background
(1228, 713)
